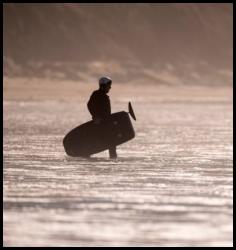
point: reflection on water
(170, 186)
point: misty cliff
(165, 43)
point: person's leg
(112, 152)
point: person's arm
(92, 105)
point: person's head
(105, 84)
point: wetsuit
(99, 107)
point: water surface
(170, 186)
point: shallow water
(170, 186)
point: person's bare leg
(112, 152)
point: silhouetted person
(99, 106)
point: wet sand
(170, 186)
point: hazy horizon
(159, 43)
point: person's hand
(97, 121)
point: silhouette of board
(91, 138)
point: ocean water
(170, 186)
